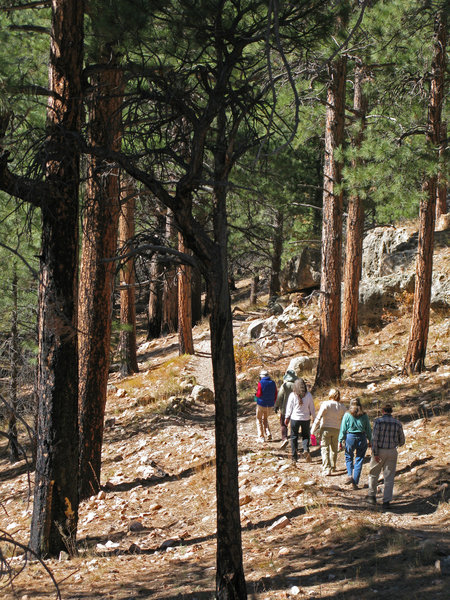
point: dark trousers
(304, 427)
(284, 429)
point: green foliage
(388, 169)
(172, 51)
(18, 256)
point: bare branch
(31, 28)
(36, 4)
(33, 272)
(26, 189)
(183, 258)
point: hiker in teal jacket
(357, 433)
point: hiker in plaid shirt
(387, 435)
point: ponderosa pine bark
(100, 227)
(185, 339)
(355, 232)
(55, 508)
(418, 337)
(127, 341)
(329, 362)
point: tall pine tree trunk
(418, 338)
(277, 240)
(196, 284)
(329, 363)
(230, 579)
(13, 444)
(55, 508)
(155, 299)
(441, 200)
(355, 232)
(254, 290)
(127, 342)
(156, 288)
(170, 288)
(100, 224)
(185, 340)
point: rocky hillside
(150, 532)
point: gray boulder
(254, 329)
(443, 223)
(440, 292)
(379, 293)
(302, 363)
(302, 272)
(378, 248)
(389, 257)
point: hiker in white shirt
(299, 410)
(328, 421)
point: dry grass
(245, 357)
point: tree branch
(37, 4)
(25, 188)
(33, 272)
(183, 258)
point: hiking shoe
(371, 500)
(269, 438)
(260, 439)
(284, 443)
(354, 485)
(308, 457)
(326, 472)
(349, 481)
(386, 505)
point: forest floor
(150, 532)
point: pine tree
(55, 507)
(100, 228)
(186, 342)
(355, 228)
(329, 361)
(416, 351)
(127, 341)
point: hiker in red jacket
(265, 397)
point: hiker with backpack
(299, 410)
(281, 403)
(265, 397)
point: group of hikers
(336, 427)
